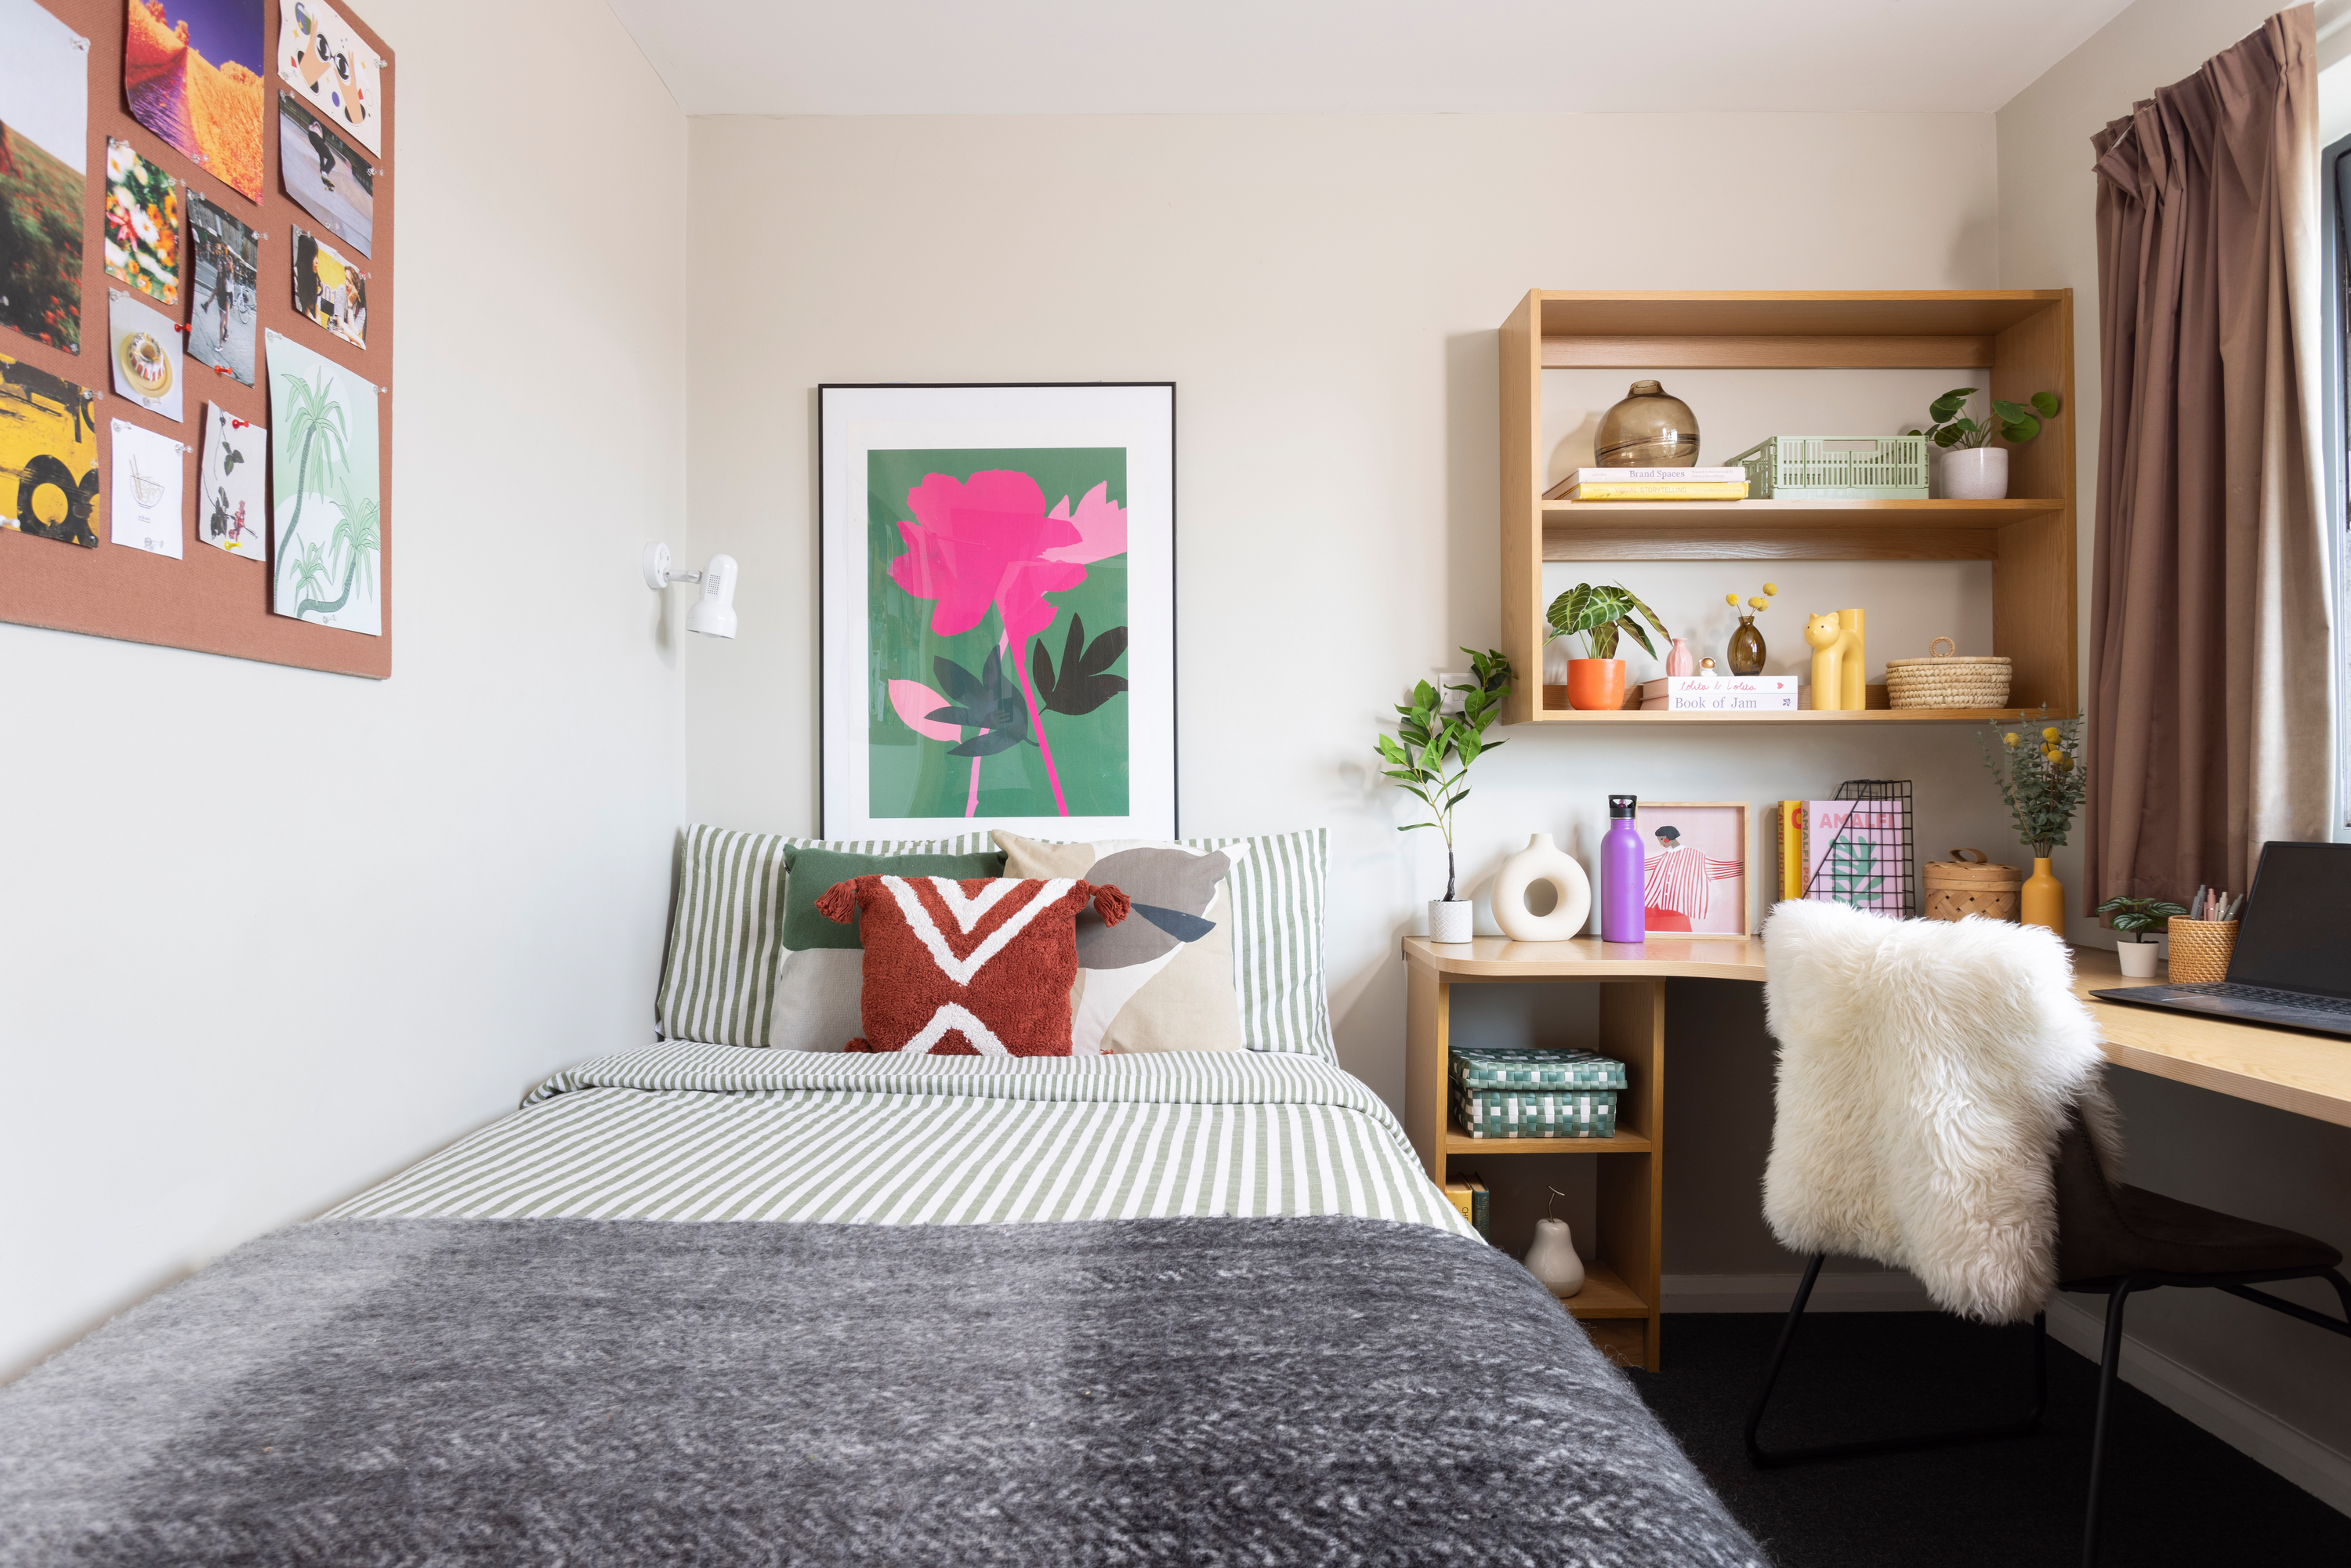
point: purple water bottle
(1621, 871)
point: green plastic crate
(1836, 468)
(1518, 1067)
(1514, 1114)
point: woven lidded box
(1958, 887)
(1516, 1114)
(1947, 680)
(1497, 1067)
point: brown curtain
(2211, 712)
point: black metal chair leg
(2110, 1360)
(1765, 1459)
(2295, 1310)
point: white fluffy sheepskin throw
(1926, 1069)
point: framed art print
(1694, 868)
(999, 610)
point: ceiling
(1351, 56)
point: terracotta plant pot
(1595, 685)
(2042, 900)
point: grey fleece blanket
(591, 1392)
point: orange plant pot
(1595, 684)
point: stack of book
(1533, 1093)
(1467, 1194)
(1651, 485)
(1719, 693)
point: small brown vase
(1595, 685)
(1746, 648)
(1651, 428)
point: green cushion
(808, 872)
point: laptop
(2292, 965)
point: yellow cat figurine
(1838, 670)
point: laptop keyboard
(2223, 991)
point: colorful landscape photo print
(142, 223)
(194, 73)
(1694, 867)
(323, 172)
(328, 289)
(228, 279)
(320, 58)
(44, 134)
(998, 609)
(50, 485)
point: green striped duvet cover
(717, 1131)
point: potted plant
(1974, 469)
(2043, 786)
(1597, 614)
(1429, 757)
(2135, 917)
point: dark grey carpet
(2175, 1494)
(593, 1393)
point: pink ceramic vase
(1678, 661)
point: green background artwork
(912, 775)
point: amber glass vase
(1651, 428)
(1746, 648)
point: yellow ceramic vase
(2042, 900)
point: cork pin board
(207, 600)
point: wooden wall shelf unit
(1620, 1302)
(2023, 338)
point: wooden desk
(2309, 1074)
(1619, 1305)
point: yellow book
(1730, 492)
(1791, 849)
(1458, 1193)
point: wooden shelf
(2021, 340)
(1605, 1295)
(1550, 715)
(1457, 1142)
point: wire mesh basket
(1871, 862)
(1836, 468)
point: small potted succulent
(1598, 614)
(1974, 469)
(1429, 756)
(2135, 917)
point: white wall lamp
(713, 614)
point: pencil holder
(2201, 949)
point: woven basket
(1958, 887)
(2201, 949)
(1948, 680)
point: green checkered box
(1491, 1067)
(1515, 1114)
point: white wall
(272, 933)
(1324, 291)
(2206, 1148)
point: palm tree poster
(999, 610)
(326, 546)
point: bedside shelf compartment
(1605, 1295)
(1457, 1142)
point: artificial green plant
(2043, 784)
(1950, 427)
(2136, 916)
(1598, 614)
(1430, 754)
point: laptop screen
(2296, 930)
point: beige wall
(271, 934)
(2205, 1148)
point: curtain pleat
(2211, 712)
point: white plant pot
(1552, 1259)
(1541, 861)
(1977, 473)
(1448, 920)
(2139, 958)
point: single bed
(707, 1304)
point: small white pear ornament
(1552, 1259)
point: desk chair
(2113, 1240)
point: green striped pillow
(1278, 970)
(726, 933)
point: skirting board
(2320, 1470)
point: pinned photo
(228, 256)
(326, 173)
(327, 492)
(44, 127)
(192, 72)
(142, 223)
(145, 349)
(49, 484)
(328, 289)
(147, 489)
(230, 495)
(320, 58)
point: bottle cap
(1622, 805)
